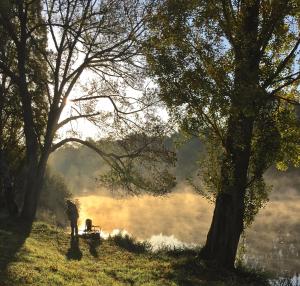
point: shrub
(130, 243)
(51, 206)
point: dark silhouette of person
(72, 213)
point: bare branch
(72, 118)
(282, 65)
(287, 83)
(291, 101)
(113, 103)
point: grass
(45, 257)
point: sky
(83, 128)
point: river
(183, 217)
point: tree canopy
(229, 73)
(81, 56)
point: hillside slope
(45, 258)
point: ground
(44, 256)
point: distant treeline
(80, 166)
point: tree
(229, 72)
(25, 74)
(11, 145)
(94, 39)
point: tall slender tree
(229, 71)
(11, 123)
(88, 51)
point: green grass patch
(46, 257)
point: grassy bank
(45, 257)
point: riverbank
(45, 257)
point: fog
(183, 217)
(182, 213)
(272, 242)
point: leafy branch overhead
(229, 73)
(75, 62)
(195, 59)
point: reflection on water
(183, 218)
(157, 242)
(161, 241)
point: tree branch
(72, 118)
(282, 65)
(291, 101)
(226, 25)
(268, 27)
(85, 143)
(289, 82)
(113, 103)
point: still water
(183, 218)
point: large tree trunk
(228, 218)
(34, 171)
(31, 191)
(7, 191)
(34, 184)
(36, 155)
(227, 223)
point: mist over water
(182, 213)
(183, 218)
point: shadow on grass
(74, 252)
(189, 269)
(93, 241)
(13, 233)
(93, 246)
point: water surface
(184, 217)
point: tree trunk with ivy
(228, 218)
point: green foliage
(12, 143)
(146, 166)
(52, 200)
(289, 128)
(36, 69)
(195, 51)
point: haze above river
(272, 242)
